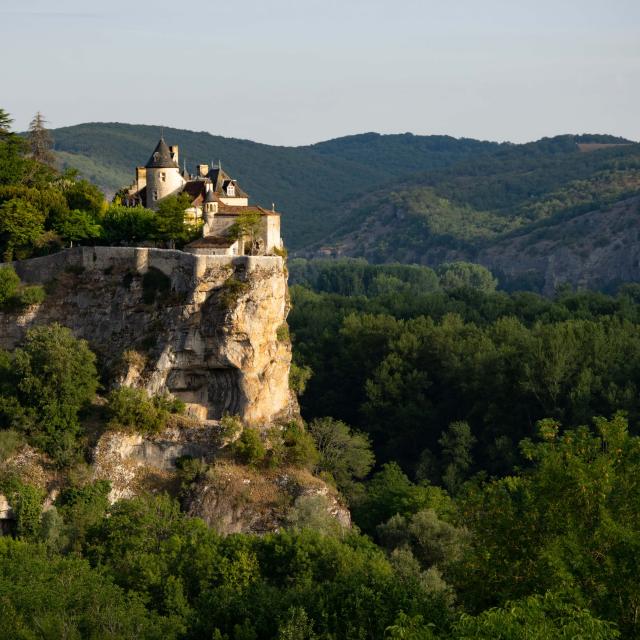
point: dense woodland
(485, 443)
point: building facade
(217, 204)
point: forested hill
(308, 184)
(550, 205)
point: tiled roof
(210, 242)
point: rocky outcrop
(209, 330)
(239, 499)
(203, 328)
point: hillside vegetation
(501, 203)
(307, 183)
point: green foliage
(230, 427)
(26, 502)
(122, 224)
(9, 284)
(10, 441)
(432, 541)
(313, 512)
(292, 445)
(249, 448)
(46, 383)
(56, 597)
(188, 573)
(282, 332)
(245, 227)
(390, 492)
(82, 507)
(535, 618)
(15, 295)
(132, 409)
(564, 526)
(77, 225)
(298, 378)
(344, 454)
(311, 180)
(404, 368)
(21, 225)
(30, 295)
(169, 221)
(457, 275)
(231, 291)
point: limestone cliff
(203, 328)
(207, 329)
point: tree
(21, 224)
(12, 149)
(170, 223)
(77, 225)
(458, 275)
(5, 124)
(344, 453)
(9, 285)
(40, 141)
(457, 442)
(57, 377)
(122, 224)
(246, 226)
(547, 617)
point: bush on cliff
(43, 386)
(132, 409)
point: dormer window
(231, 190)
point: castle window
(231, 190)
(155, 194)
(163, 176)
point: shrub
(31, 295)
(26, 503)
(282, 333)
(10, 441)
(345, 454)
(231, 291)
(230, 428)
(249, 448)
(132, 409)
(9, 284)
(56, 377)
(298, 378)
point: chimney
(174, 152)
(203, 170)
(141, 178)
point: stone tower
(163, 174)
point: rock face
(204, 328)
(238, 499)
(207, 329)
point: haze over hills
(407, 198)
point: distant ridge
(321, 188)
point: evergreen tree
(40, 141)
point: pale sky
(294, 72)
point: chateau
(216, 202)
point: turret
(163, 174)
(210, 208)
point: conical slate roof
(161, 157)
(210, 196)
